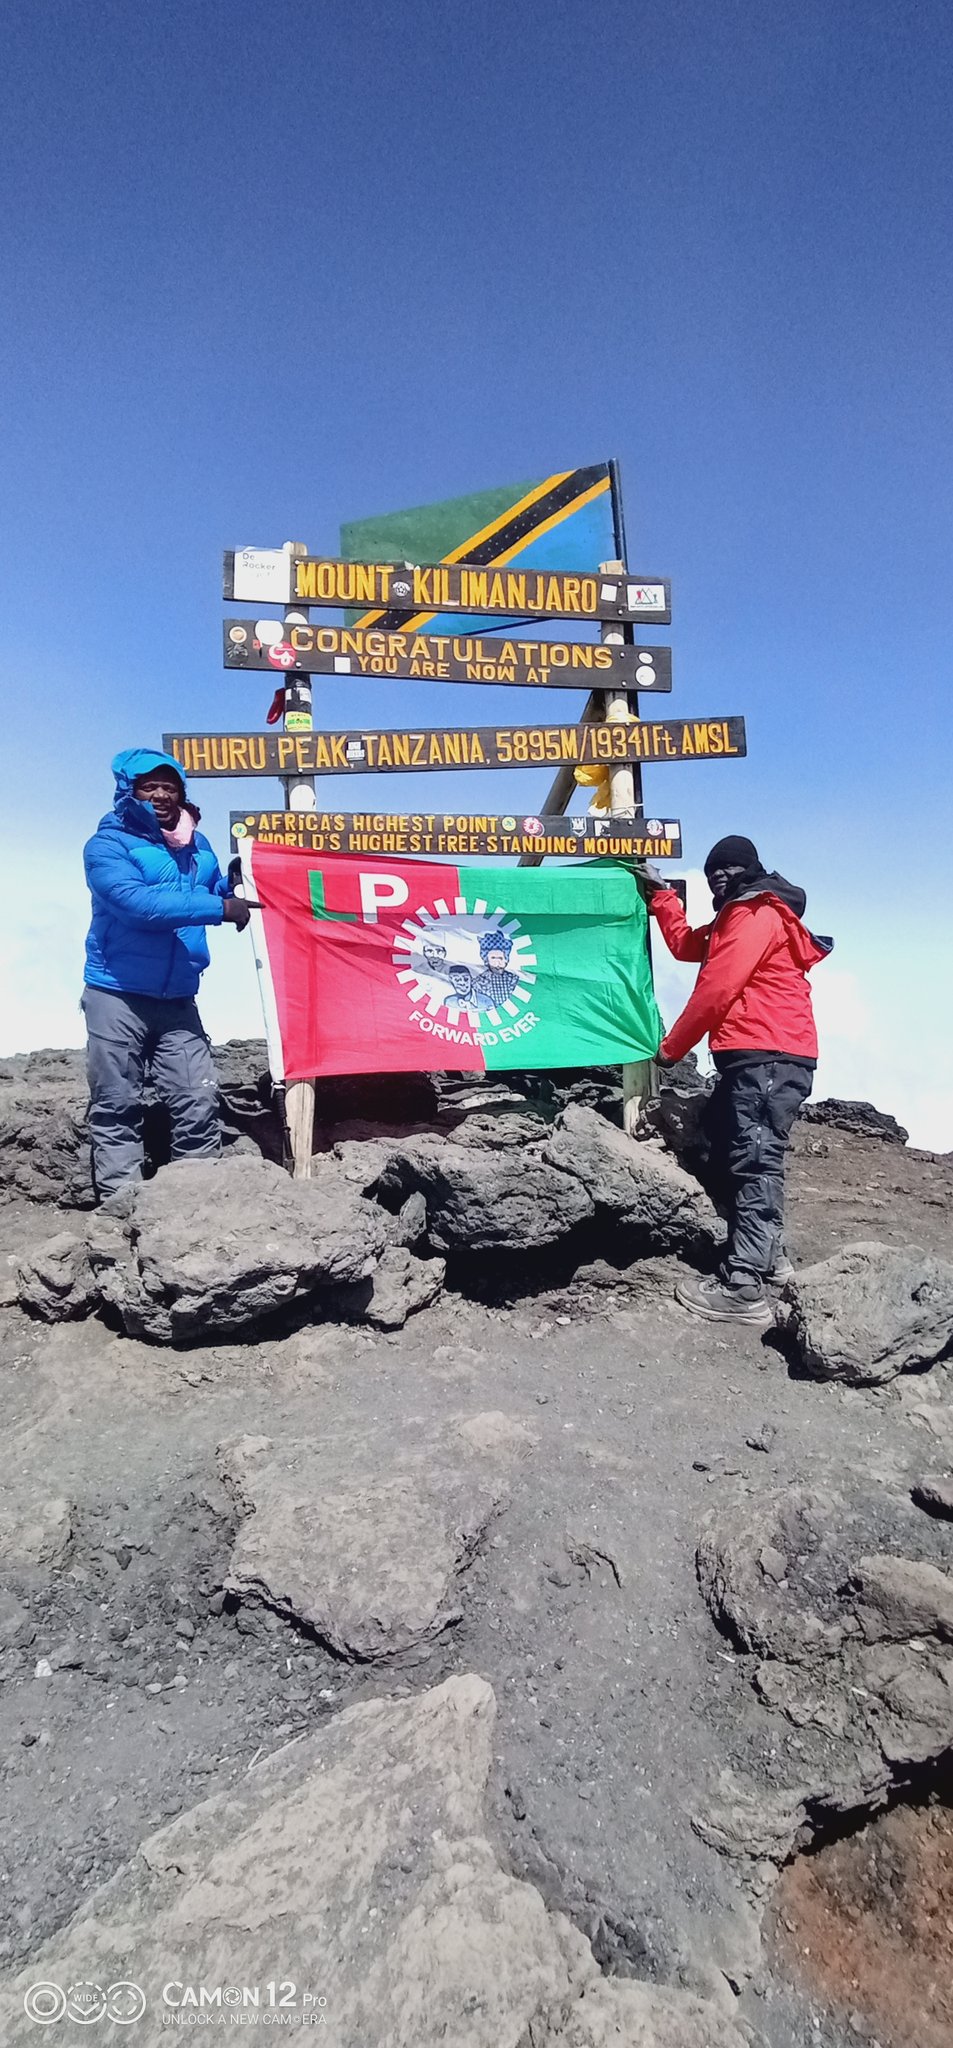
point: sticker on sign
(259, 573)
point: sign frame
(272, 646)
(431, 835)
(436, 748)
(252, 575)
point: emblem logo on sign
(282, 655)
(472, 965)
(533, 826)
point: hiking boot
(713, 1298)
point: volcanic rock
(34, 1533)
(844, 1604)
(861, 1119)
(869, 1313)
(364, 1548)
(214, 1247)
(399, 1287)
(402, 1919)
(56, 1282)
(484, 1188)
(636, 1184)
(935, 1497)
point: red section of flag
(333, 924)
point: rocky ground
(402, 1600)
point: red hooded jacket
(752, 993)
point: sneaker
(718, 1303)
(781, 1272)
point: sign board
(443, 833)
(484, 746)
(441, 658)
(453, 587)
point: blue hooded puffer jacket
(151, 901)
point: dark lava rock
(860, 1118)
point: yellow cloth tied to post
(594, 775)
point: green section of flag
(427, 533)
(576, 983)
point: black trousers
(747, 1126)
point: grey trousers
(126, 1035)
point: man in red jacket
(753, 1003)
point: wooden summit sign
(443, 658)
(472, 746)
(438, 587)
(443, 833)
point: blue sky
(272, 266)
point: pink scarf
(182, 832)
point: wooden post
(299, 796)
(625, 798)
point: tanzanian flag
(571, 520)
(374, 966)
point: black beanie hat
(734, 852)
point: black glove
(234, 911)
(649, 877)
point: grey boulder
(400, 1285)
(213, 1248)
(34, 1533)
(842, 1605)
(365, 1546)
(55, 1282)
(870, 1312)
(636, 1183)
(487, 1190)
(359, 1854)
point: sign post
(299, 796)
(625, 797)
(442, 594)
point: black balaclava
(741, 854)
(735, 852)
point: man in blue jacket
(155, 885)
